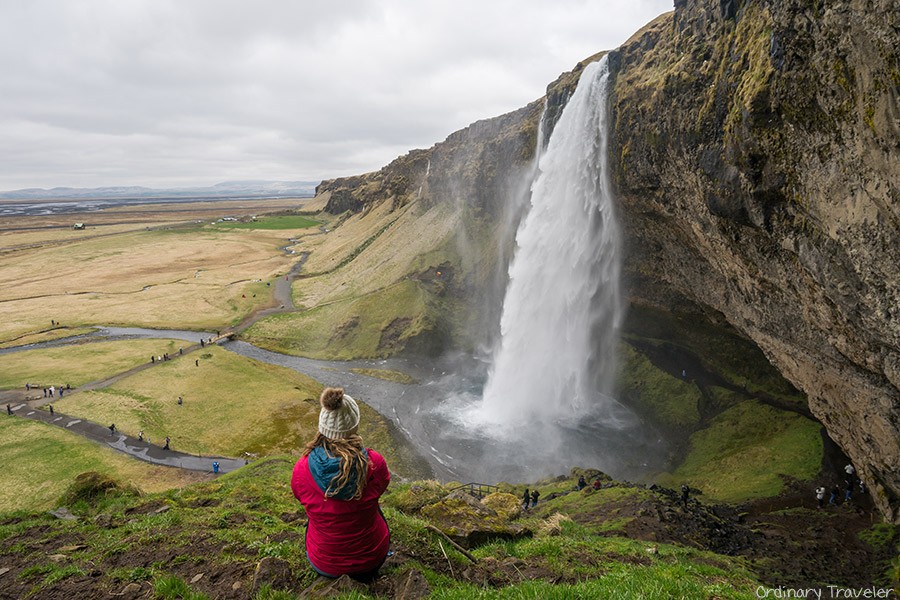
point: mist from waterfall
(562, 310)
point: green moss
(745, 451)
(654, 393)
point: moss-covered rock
(470, 523)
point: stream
(431, 413)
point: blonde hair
(353, 460)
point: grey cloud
(167, 92)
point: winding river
(429, 412)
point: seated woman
(339, 482)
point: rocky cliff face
(757, 147)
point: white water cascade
(562, 311)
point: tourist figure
(112, 429)
(152, 359)
(51, 409)
(581, 483)
(526, 499)
(339, 481)
(596, 484)
(685, 494)
(45, 392)
(61, 391)
(180, 401)
(849, 470)
(197, 363)
(27, 387)
(534, 497)
(820, 496)
(50, 391)
(215, 466)
(180, 351)
(835, 491)
(848, 491)
(68, 386)
(141, 435)
(166, 447)
(862, 487)
(202, 343)
(8, 409)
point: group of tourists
(52, 391)
(530, 498)
(582, 483)
(851, 483)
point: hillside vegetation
(241, 536)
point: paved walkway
(141, 450)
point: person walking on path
(180, 400)
(339, 481)
(215, 466)
(166, 447)
(581, 483)
(685, 494)
(534, 497)
(8, 409)
(848, 491)
(51, 409)
(526, 499)
(820, 496)
(835, 492)
(112, 429)
(141, 435)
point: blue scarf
(325, 468)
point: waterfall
(561, 314)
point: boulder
(470, 523)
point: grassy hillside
(206, 540)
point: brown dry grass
(194, 279)
(412, 231)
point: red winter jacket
(344, 536)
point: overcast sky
(167, 93)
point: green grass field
(40, 461)
(80, 363)
(232, 405)
(279, 222)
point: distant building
(78, 226)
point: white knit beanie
(339, 418)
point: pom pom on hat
(339, 417)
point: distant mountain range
(228, 189)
